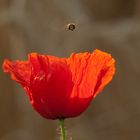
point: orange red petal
(19, 70)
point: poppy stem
(62, 129)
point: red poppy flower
(62, 87)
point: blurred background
(39, 26)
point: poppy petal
(83, 74)
(19, 70)
(84, 79)
(51, 80)
(106, 70)
(90, 73)
(39, 105)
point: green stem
(62, 130)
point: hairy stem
(62, 130)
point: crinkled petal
(51, 81)
(19, 70)
(90, 73)
(106, 70)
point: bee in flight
(71, 26)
